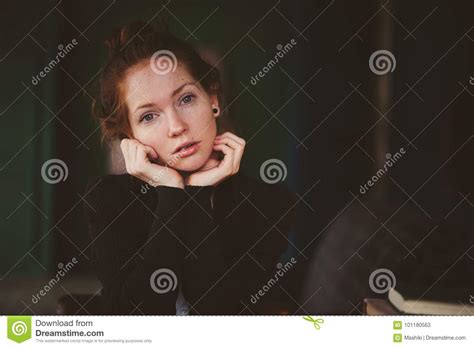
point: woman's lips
(188, 151)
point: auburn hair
(129, 46)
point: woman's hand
(137, 160)
(233, 148)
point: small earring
(215, 110)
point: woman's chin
(189, 164)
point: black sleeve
(137, 278)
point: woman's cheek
(152, 138)
(197, 111)
(190, 113)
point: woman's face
(166, 111)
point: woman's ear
(215, 106)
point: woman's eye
(147, 117)
(187, 99)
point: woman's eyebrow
(145, 106)
(176, 91)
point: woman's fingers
(132, 154)
(228, 141)
(237, 146)
(136, 155)
(234, 146)
(228, 162)
(234, 137)
(124, 148)
(146, 152)
(138, 162)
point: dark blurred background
(320, 110)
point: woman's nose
(176, 124)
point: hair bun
(125, 34)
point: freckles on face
(168, 110)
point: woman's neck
(212, 162)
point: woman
(182, 232)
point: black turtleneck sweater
(148, 243)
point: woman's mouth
(188, 149)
